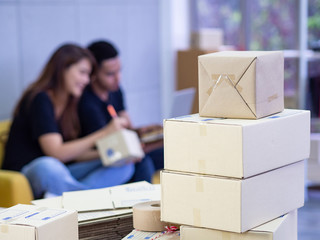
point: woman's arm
(52, 143)
(91, 154)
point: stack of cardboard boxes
(238, 164)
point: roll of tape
(146, 217)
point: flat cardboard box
(237, 148)
(241, 84)
(122, 196)
(120, 148)
(282, 228)
(230, 204)
(30, 222)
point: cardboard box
(120, 148)
(237, 148)
(282, 228)
(231, 204)
(30, 222)
(241, 84)
(187, 72)
(315, 148)
(291, 102)
(207, 38)
(313, 170)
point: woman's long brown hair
(51, 78)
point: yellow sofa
(14, 187)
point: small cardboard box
(237, 148)
(231, 204)
(282, 228)
(119, 148)
(207, 38)
(30, 222)
(241, 84)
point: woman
(43, 141)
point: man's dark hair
(102, 50)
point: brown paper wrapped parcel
(241, 84)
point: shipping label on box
(282, 228)
(236, 147)
(231, 204)
(241, 84)
(30, 222)
(120, 148)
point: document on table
(122, 196)
(125, 196)
(88, 200)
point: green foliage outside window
(314, 21)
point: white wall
(175, 32)
(30, 30)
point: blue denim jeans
(47, 174)
(157, 157)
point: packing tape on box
(273, 97)
(202, 165)
(197, 217)
(239, 88)
(4, 228)
(146, 217)
(202, 130)
(5, 225)
(218, 79)
(199, 184)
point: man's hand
(114, 125)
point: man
(103, 90)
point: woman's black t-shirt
(32, 121)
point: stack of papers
(105, 213)
(123, 196)
(112, 198)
